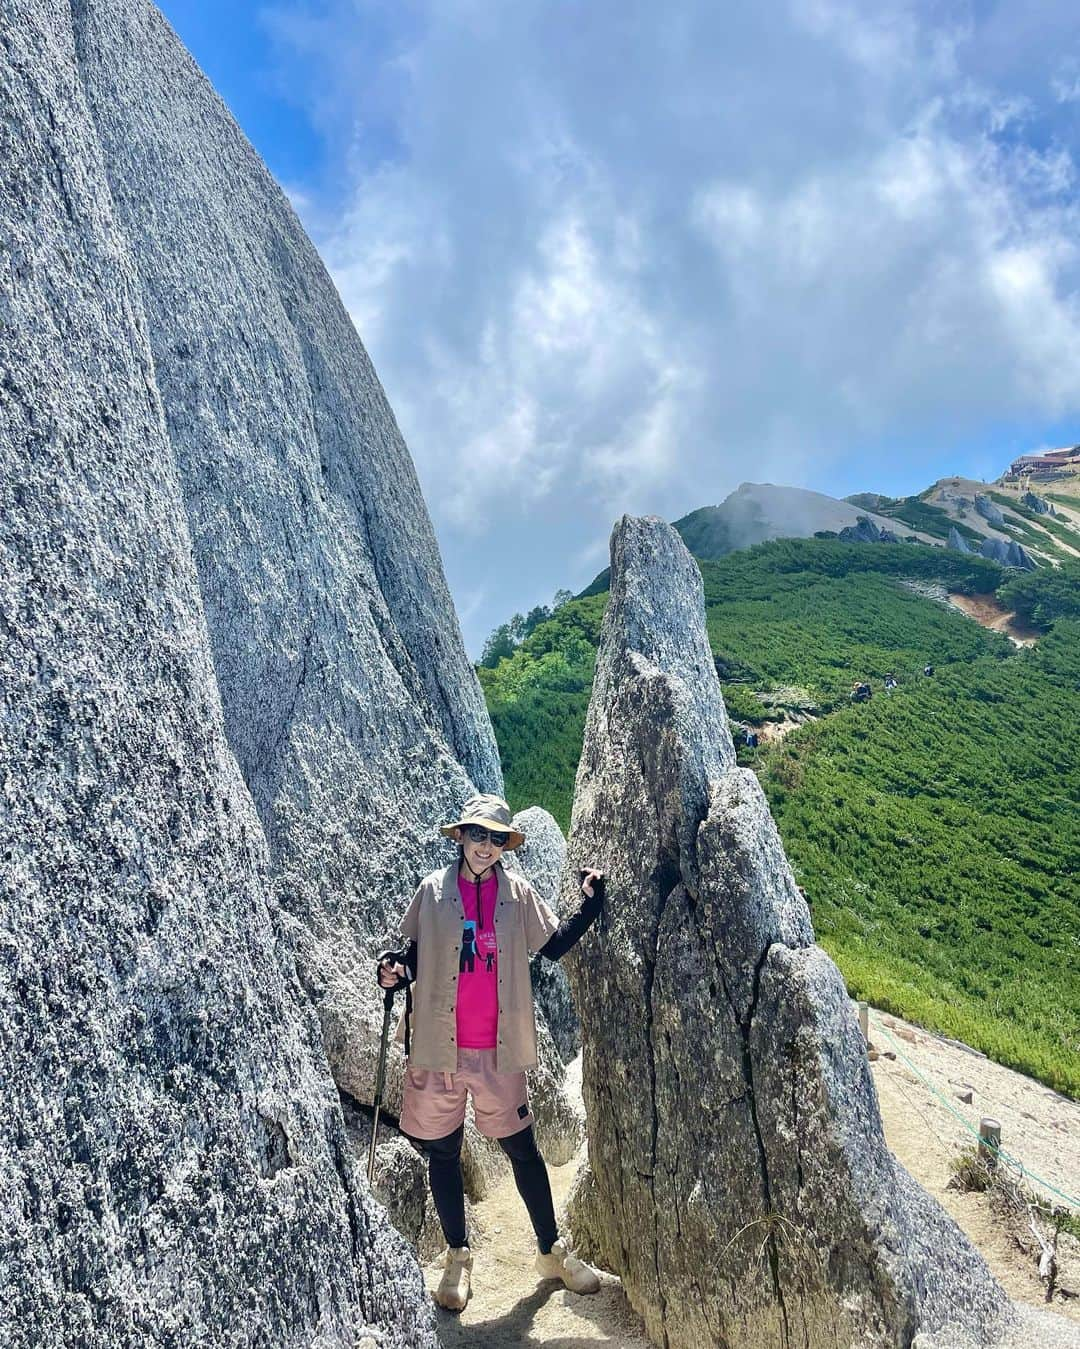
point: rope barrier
(998, 1151)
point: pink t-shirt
(478, 967)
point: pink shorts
(433, 1104)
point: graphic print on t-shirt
(486, 948)
(468, 947)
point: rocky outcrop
(755, 512)
(173, 1161)
(739, 1182)
(558, 1124)
(348, 701)
(1008, 553)
(1038, 504)
(400, 1183)
(1005, 552)
(865, 531)
(543, 854)
(989, 510)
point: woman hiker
(470, 930)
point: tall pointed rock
(739, 1183)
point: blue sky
(608, 255)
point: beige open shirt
(523, 924)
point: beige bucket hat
(491, 812)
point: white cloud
(1066, 88)
(625, 256)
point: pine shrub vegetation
(935, 829)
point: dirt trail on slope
(989, 614)
(1039, 1128)
(510, 1307)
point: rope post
(864, 1021)
(989, 1140)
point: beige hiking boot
(562, 1264)
(456, 1282)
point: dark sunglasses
(480, 835)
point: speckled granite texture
(350, 705)
(739, 1180)
(234, 703)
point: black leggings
(530, 1175)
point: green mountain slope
(935, 829)
(937, 835)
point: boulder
(401, 1182)
(349, 703)
(558, 1124)
(173, 1159)
(739, 1181)
(957, 541)
(541, 858)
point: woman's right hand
(390, 974)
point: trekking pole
(380, 1077)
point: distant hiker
(890, 682)
(928, 670)
(481, 1041)
(860, 692)
(751, 739)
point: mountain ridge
(757, 512)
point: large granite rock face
(348, 700)
(173, 1161)
(739, 1182)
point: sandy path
(990, 614)
(509, 1307)
(1039, 1128)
